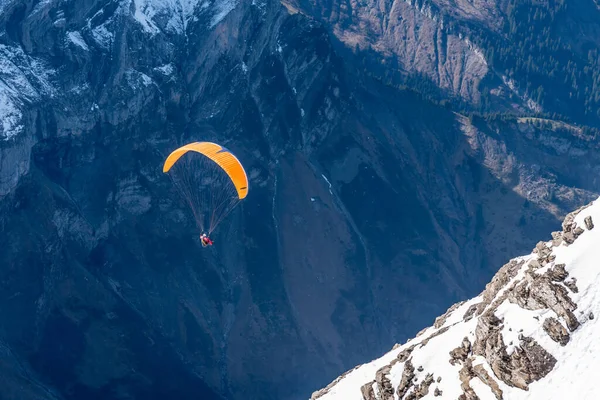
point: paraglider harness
(205, 240)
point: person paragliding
(205, 240)
(211, 180)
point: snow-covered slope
(532, 334)
(174, 15)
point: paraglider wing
(220, 155)
(210, 178)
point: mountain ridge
(528, 335)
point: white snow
(39, 6)
(166, 69)
(134, 78)
(76, 38)
(324, 177)
(102, 36)
(22, 81)
(175, 15)
(222, 7)
(576, 371)
(144, 19)
(146, 79)
(10, 116)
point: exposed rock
(502, 277)
(557, 238)
(461, 353)
(422, 389)
(591, 315)
(537, 292)
(568, 223)
(570, 229)
(436, 333)
(470, 312)
(572, 285)
(406, 382)
(534, 264)
(557, 273)
(437, 392)
(487, 335)
(441, 320)
(556, 331)
(404, 354)
(542, 250)
(367, 391)
(588, 222)
(465, 375)
(482, 374)
(529, 362)
(568, 237)
(384, 386)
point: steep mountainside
(370, 208)
(496, 56)
(531, 334)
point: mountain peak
(528, 335)
(174, 15)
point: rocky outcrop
(412, 37)
(408, 374)
(460, 354)
(556, 331)
(588, 223)
(501, 349)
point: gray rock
(557, 273)
(384, 385)
(460, 354)
(483, 375)
(589, 224)
(556, 331)
(408, 375)
(572, 285)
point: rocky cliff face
(528, 333)
(496, 56)
(370, 208)
(413, 38)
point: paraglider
(205, 240)
(210, 179)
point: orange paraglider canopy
(221, 156)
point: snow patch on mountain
(174, 16)
(135, 78)
(531, 334)
(103, 36)
(166, 69)
(23, 81)
(10, 115)
(76, 38)
(222, 8)
(143, 14)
